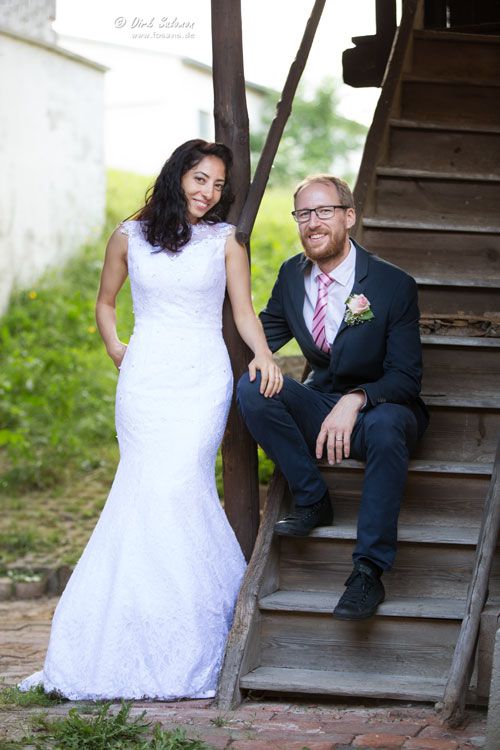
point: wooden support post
(461, 667)
(239, 452)
(283, 110)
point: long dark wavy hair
(164, 214)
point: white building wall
(52, 178)
(154, 102)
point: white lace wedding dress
(147, 610)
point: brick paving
(256, 724)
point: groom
(355, 318)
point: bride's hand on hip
(271, 377)
(117, 353)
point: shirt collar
(344, 271)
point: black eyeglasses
(322, 212)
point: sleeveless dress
(148, 608)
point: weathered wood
(459, 433)
(323, 602)
(464, 56)
(380, 645)
(376, 140)
(470, 259)
(239, 452)
(409, 197)
(246, 619)
(456, 686)
(328, 682)
(365, 64)
(450, 101)
(283, 110)
(428, 570)
(422, 533)
(490, 623)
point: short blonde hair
(343, 189)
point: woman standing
(148, 608)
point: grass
(58, 449)
(12, 697)
(100, 728)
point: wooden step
(450, 101)
(421, 533)
(461, 367)
(421, 569)
(323, 602)
(457, 300)
(329, 682)
(464, 56)
(297, 640)
(470, 259)
(433, 494)
(460, 430)
(410, 194)
(439, 147)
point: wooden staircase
(431, 204)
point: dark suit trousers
(287, 427)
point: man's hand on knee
(337, 428)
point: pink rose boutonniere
(357, 310)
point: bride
(148, 608)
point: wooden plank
(449, 100)
(376, 140)
(458, 57)
(283, 110)
(461, 227)
(460, 434)
(439, 148)
(437, 175)
(446, 127)
(242, 650)
(380, 644)
(424, 533)
(474, 342)
(456, 687)
(439, 467)
(437, 301)
(239, 451)
(429, 499)
(324, 602)
(425, 570)
(327, 682)
(456, 36)
(447, 200)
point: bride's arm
(248, 325)
(114, 273)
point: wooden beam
(283, 110)
(463, 658)
(239, 452)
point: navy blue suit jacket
(383, 356)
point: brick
(430, 743)
(280, 745)
(381, 741)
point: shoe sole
(361, 617)
(281, 532)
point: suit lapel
(360, 274)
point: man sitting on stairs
(355, 318)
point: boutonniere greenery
(357, 310)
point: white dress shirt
(337, 292)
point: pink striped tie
(318, 325)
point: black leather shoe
(365, 591)
(305, 518)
